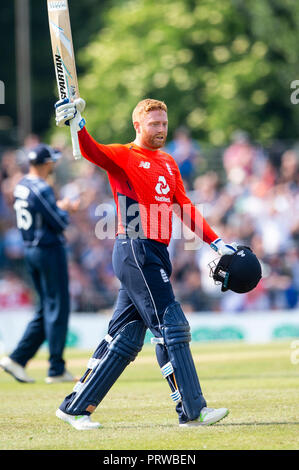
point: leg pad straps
(177, 336)
(103, 372)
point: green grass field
(258, 383)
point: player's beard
(157, 141)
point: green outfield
(258, 383)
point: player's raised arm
(194, 220)
(104, 156)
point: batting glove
(66, 110)
(222, 248)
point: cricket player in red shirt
(145, 181)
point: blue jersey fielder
(42, 221)
(39, 219)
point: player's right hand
(66, 110)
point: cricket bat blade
(64, 59)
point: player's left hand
(66, 110)
(222, 248)
(67, 205)
(74, 205)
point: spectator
(256, 203)
(191, 295)
(239, 158)
(186, 153)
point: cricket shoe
(79, 422)
(207, 417)
(15, 369)
(65, 377)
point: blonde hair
(147, 105)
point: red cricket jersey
(147, 187)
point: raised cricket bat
(64, 59)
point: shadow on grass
(175, 426)
(204, 378)
(250, 376)
(271, 423)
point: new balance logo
(241, 253)
(145, 165)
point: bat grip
(75, 140)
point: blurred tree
(86, 21)
(275, 24)
(219, 66)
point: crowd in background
(247, 193)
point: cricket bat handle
(75, 140)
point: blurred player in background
(147, 182)
(42, 221)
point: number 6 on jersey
(64, 59)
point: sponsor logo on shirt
(162, 186)
(162, 189)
